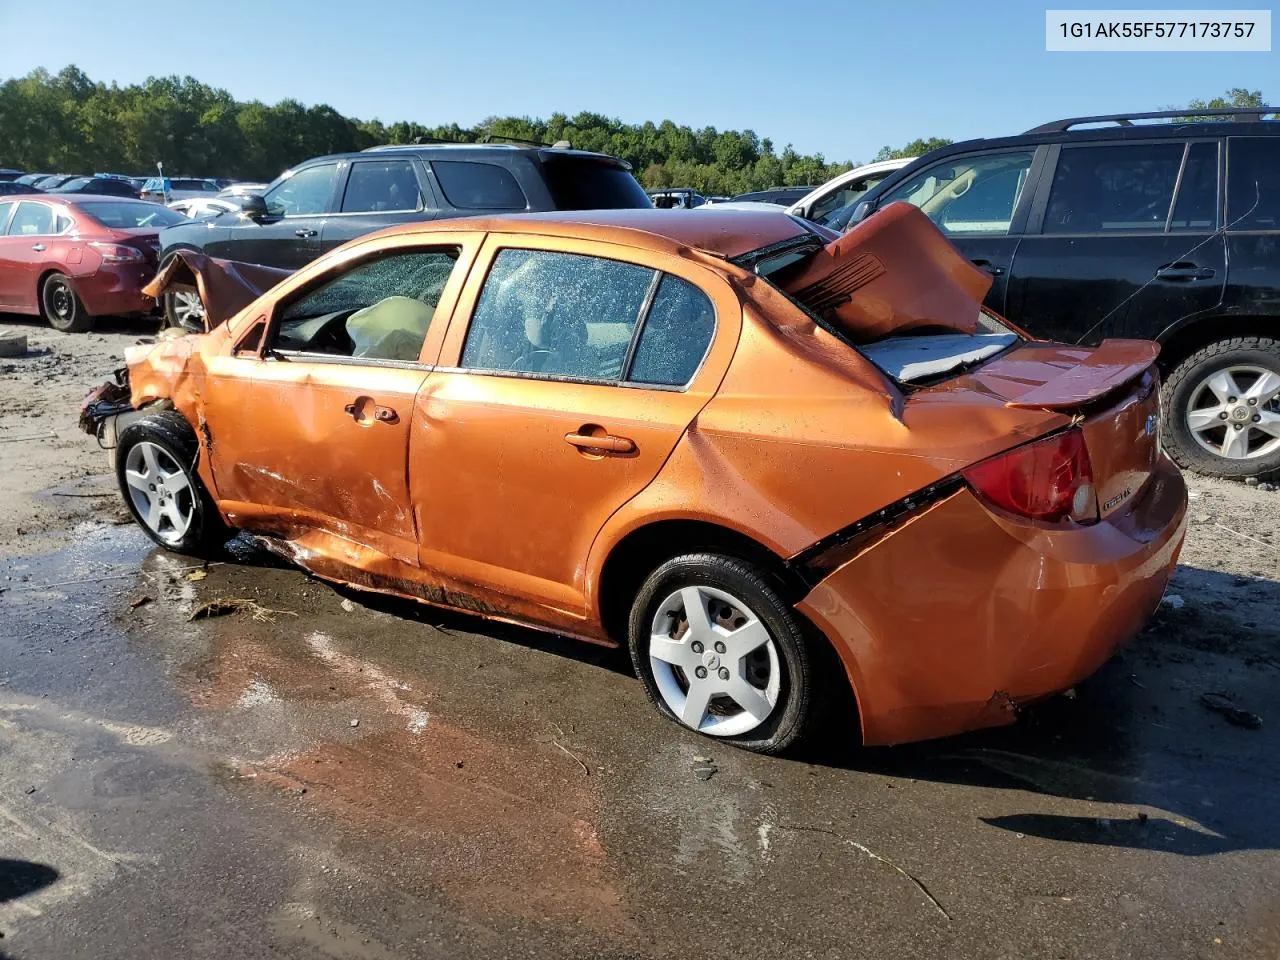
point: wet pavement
(325, 773)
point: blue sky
(840, 78)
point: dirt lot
(346, 778)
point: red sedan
(72, 259)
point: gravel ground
(349, 778)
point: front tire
(61, 307)
(184, 309)
(721, 652)
(1222, 409)
(155, 467)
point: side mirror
(253, 206)
(860, 212)
(799, 211)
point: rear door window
(1196, 207)
(5, 210)
(556, 314)
(970, 196)
(1253, 183)
(478, 186)
(1113, 188)
(31, 219)
(676, 334)
(382, 186)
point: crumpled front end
(960, 615)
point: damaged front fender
(225, 286)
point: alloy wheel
(1235, 412)
(188, 308)
(161, 491)
(714, 662)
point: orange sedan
(770, 460)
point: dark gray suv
(1117, 226)
(327, 201)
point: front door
(289, 236)
(312, 431)
(574, 380)
(1124, 243)
(23, 253)
(980, 201)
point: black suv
(327, 201)
(1100, 227)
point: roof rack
(492, 137)
(1126, 119)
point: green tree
(1236, 97)
(917, 147)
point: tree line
(66, 122)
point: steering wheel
(517, 364)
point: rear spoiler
(1106, 368)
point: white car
(203, 208)
(832, 203)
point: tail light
(1050, 480)
(117, 252)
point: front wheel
(1222, 409)
(61, 307)
(722, 653)
(155, 467)
(183, 308)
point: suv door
(980, 201)
(378, 193)
(1123, 241)
(289, 236)
(574, 379)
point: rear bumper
(951, 621)
(116, 288)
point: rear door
(570, 384)
(289, 236)
(1123, 241)
(981, 202)
(379, 193)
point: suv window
(1196, 207)
(970, 196)
(561, 314)
(580, 183)
(478, 186)
(31, 218)
(1253, 183)
(676, 334)
(378, 310)
(1098, 189)
(306, 192)
(384, 186)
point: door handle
(304, 233)
(604, 443)
(1185, 271)
(363, 410)
(37, 247)
(988, 266)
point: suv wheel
(183, 308)
(1222, 409)
(722, 653)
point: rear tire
(156, 468)
(61, 307)
(1210, 401)
(746, 674)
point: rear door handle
(1185, 271)
(304, 233)
(607, 442)
(37, 247)
(988, 266)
